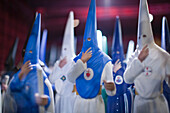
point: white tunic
(64, 99)
(148, 77)
(95, 105)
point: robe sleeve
(133, 56)
(107, 75)
(133, 70)
(76, 70)
(52, 76)
(16, 84)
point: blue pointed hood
(43, 45)
(28, 35)
(43, 53)
(32, 48)
(91, 29)
(165, 37)
(10, 61)
(117, 45)
(89, 86)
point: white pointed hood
(130, 49)
(99, 39)
(145, 35)
(68, 40)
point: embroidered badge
(88, 74)
(118, 80)
(148, 71)
(63, 78)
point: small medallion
(118, 80)
(88, 74)
(63, 78)
(148, 71)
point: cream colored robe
(64, 99)
(148, 77)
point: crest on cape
(148, 71)
(88, 74)
(118, 80)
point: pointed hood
(68, 40)
(117, 45)
(145, 35)
(32, 48)
(28, 35)
(165, 37)
(104, 44)
(75, 44)
(10, 62)
(90, 34)
(43, 46)
(53, 55)
(130, 49)
(99, 39)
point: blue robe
(166, 92)
(23, 92)
(122, 101)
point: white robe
(95, 105)
(148, 81)
(64, 99)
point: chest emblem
(63, 78)
(148, 71)
(88, 74)
(118, 80)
